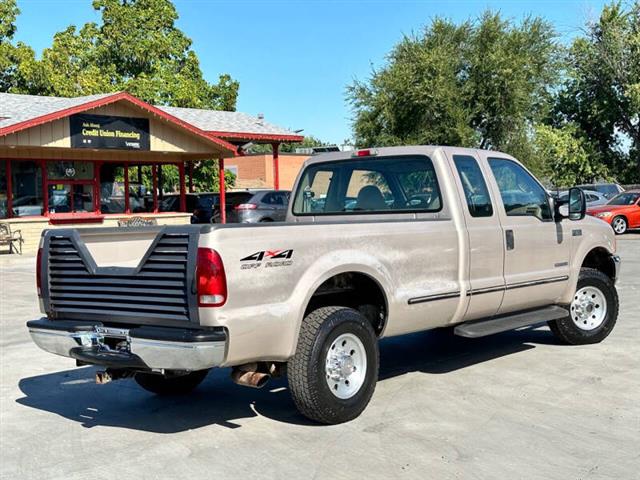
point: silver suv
(254, 206)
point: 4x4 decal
(268, 258)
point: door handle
(511, 243)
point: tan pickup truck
(377, 243)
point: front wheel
(619, 225)
(170, 385)
(593, 311)
(334, 371)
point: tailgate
(139, 275)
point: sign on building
(108, 132)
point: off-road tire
(170, 385)
(568, 332)
(306, 369)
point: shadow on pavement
(74, 395)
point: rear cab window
(372, 185)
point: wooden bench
(137, 222)
(8, 237)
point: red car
(622, 212)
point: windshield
(627, 198)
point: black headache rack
(160, 290)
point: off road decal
(267, 259)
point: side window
(521, 194)
(275, 198)
(474, 186)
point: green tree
(16, 60)
(566, 157)
(481, 83)
(136, 48)
(601, 93)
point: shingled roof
(15, 109)
(226, 122)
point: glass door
(70, 197)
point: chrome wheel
(589, 308)
(346, 366)
(619, 225)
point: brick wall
(256, 171)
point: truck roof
(384, 151)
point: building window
(26, 181)
(64, 170)
(112, 188)
(3, 190)
(140, 189)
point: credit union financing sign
(102, 131)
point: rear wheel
(170, 385)
(619, 225)
(334, 371)
(593, 311)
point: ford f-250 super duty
(377, 243)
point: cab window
(474, 186)
(521, 194)
(370, 185)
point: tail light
(246, 206)
(39, 272)
(212, 281)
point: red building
(60, 158)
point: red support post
(183, 195)
(96, 176)
(276, 168)
(191, 176)
(45, 189)
(154, 174)
(126, 189)
(9, 189)
(222, 190)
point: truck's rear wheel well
(354, 290)
(601, 260)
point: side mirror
(577, 204)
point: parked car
(254, 206)
(434, 240)
(201, 205)
(593, 198)
(609, 190)
(622, 212)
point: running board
(482, 328)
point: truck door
(536, 248)
(485, 246)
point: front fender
(587, 235)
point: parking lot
(516, 405)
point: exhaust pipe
(111, 374)
(248, 376)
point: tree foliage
(480, 84)
(136, 48)
(566, 157)
(601, 93)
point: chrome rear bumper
(145, 348)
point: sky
(295, 58)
